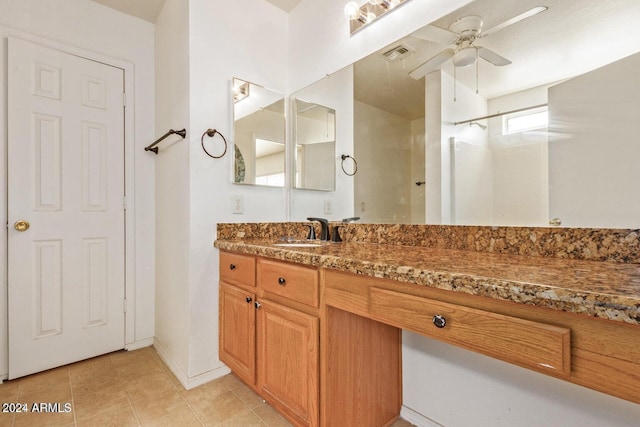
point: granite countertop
(600, 289)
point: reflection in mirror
(503, 114)
(259, 135)
(315, 137)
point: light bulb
(387, 4)
(352, 10)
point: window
(275, 180)
(523, 121)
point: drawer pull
(232, 267)
(281, 281)
(439, 321)
(249, 299)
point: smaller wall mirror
(315, 137)
(259, 135)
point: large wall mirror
(503, 113)
(259, 135)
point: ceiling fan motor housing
(468, 27)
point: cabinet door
(237, 331)
(288, 361)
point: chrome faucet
(324, 230)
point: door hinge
(124, 202)
(124, 99)
(125, 305)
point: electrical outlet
(328, 206)
(237, 204)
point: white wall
(593, 147)
(418, 163)
(173, 198)
(520, 164)
(472, 183)
(84, 26)
(452, 387)
(433, 149)
(384, 153)
(446, 105)
(222, 40)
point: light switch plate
(328, 206)
(237, 204)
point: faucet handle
(351, 219)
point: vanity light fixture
(240, 90)
(360, 16)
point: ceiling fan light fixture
(465, 57)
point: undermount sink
(298, 245)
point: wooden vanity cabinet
(237, 317)
(270, 337)
(599, 354)
(238, 331)
(288, 339)
(288, 354)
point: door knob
(21, 225)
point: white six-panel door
(66, 271)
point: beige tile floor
(134, 388)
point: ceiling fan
(462, 34)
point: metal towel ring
(211, 133)
(355, 164)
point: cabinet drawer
(290, 281)
(530, 344)
(238, 269)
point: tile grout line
(133, 410)
(177, 389)
(73, 402)
(247, 406)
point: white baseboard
(416, 418)
(137, 345)
(186, 381)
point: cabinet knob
(439, 321)
(232, 266)
(249, 299)
(281, 281)
(257, 304)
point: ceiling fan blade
(492, 57)
(514, 20)
(436, 34)
(432, 64)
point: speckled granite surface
(597, 244)
(587, 286)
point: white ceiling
(570, 38)
(143, 9)
(286, 5)
(149, 9)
